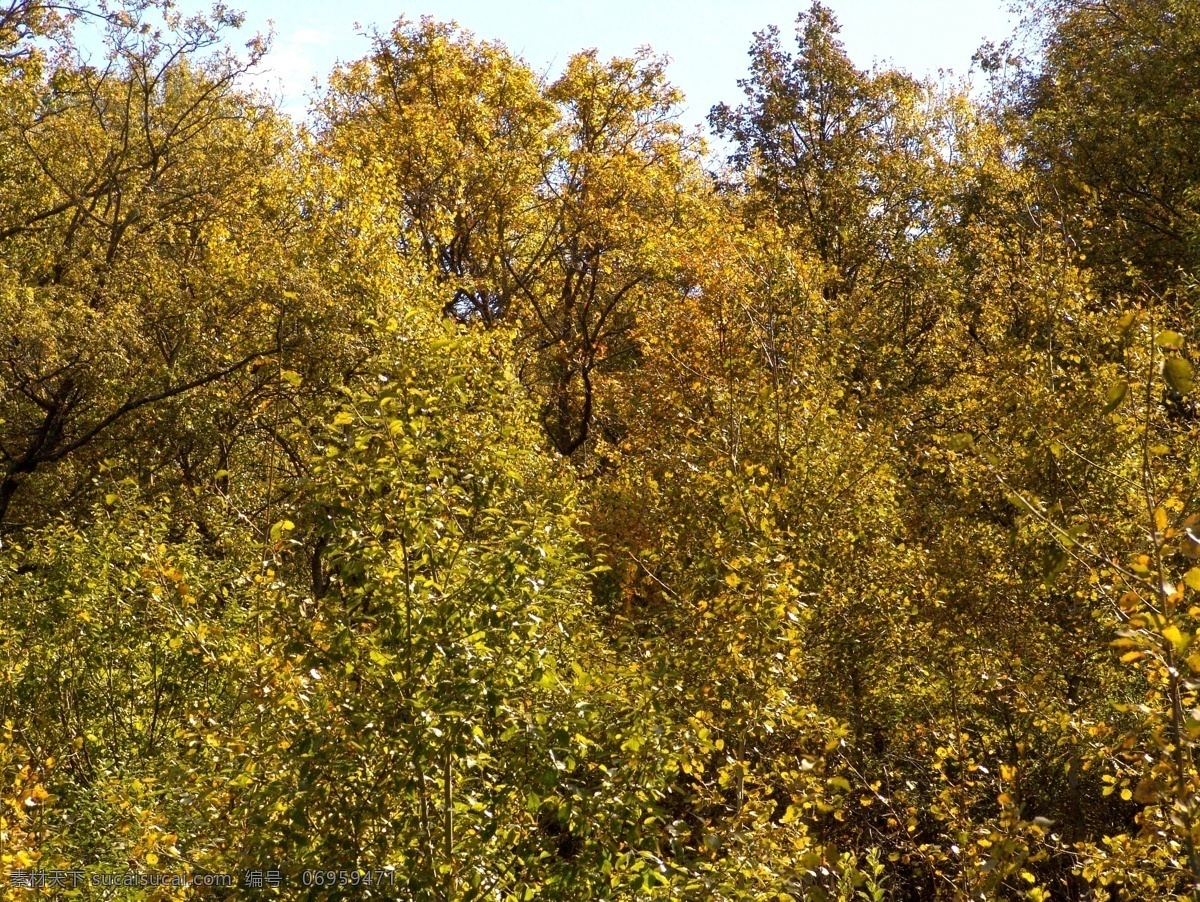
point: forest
(487, 488)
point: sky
(707, 40)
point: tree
(617, 197)
(473, 497)
(449, 135)
(139, 194)
(1110, 108)
(847, 162)
(547, 208)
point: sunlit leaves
(1178, 374)
(487, 487)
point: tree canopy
(486, 489)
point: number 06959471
(348, 878)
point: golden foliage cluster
(486, 490)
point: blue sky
(707, 40)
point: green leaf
(1020, 503)
(1178, 373)
(291, 377)
(1115, 395)
(1054, 562)
(1169, 339)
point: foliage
(485, 489)
(1110, 111)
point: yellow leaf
(1175, 637)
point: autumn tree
(848, 163)
(482, 490)
(140, 190)
(452, 134)
(546, 207)
(1110, 109)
